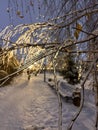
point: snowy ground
(33, 103)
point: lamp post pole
(45, 70)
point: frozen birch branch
(56, 88)
(82, 96)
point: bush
(2, 75)
(8, 66)
(70, 71)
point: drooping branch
(73, 12)
(69, 22)
(56, 88)
(82, 96)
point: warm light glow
(30, 67)
(11, 54)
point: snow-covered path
(33, 103)
(25, 103)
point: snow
(33, 105)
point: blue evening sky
(4, 15)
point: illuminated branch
(46, 44)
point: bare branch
(82, 95)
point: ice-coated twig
(56, 88)
(82, 97)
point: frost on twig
(56, 88)
(82, 96)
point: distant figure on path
(28, 73)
